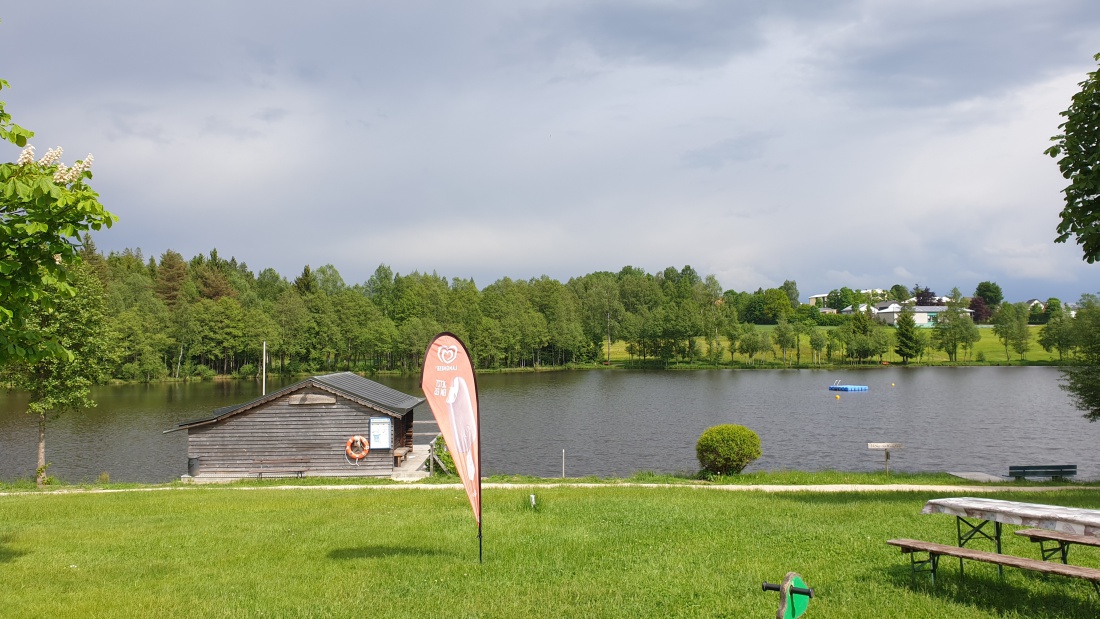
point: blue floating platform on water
(848, 388)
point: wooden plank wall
(279, 429)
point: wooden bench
(1063, 541)
(280, 467)
(399, 455)
(1053, 471)
(935, 551)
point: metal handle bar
(808, 592)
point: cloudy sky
(835, 143)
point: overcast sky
(835, 143)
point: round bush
(727, 449)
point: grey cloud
(271, 114)
(221, 126)
(531, 117)
(702, 33)
(745, 147)
(926, 55)
(121, 125)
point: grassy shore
(755, 478)
(614, 551)
(987, 351)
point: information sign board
(381, 433)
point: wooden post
(886, 447)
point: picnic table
(1074, 520)
(1062, 525)
(972, 514)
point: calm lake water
(620, 422)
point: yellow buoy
(891, 384)
(838, 397)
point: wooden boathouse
(306, 429)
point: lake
(619, 422)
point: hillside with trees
(171, 317)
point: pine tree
(910, 344)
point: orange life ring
(357, 447)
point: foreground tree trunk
(40, 477)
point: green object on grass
(791, 604)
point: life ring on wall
(357, 447)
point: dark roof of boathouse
(346, 384)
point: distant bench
(280, 467)
(399, 455)
(1053, 471)
(910, 546)
(1063, 541)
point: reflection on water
(619, 422)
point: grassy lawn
(583, 552)
(765, 478)
(988, 347)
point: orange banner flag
(447, 379)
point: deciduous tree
(818, 340)
(78, 323)
(791, 289)
(1058, 334)
(44, 208)
(899, 293)
(989, 292)
(1077, 149)
(784, 337)
(1083, 381)
(1010, 327)
(980, 309)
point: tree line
(198, 317)
(171, 317)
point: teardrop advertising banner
(447, 378)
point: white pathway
(958, 490)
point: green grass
(989, 347)
(780, 478)
(582, 552)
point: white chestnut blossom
(63, 175)
(51, 157)
(27, 156)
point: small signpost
(885, 447)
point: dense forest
(177, 318)
(173, 317)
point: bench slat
(1037, 535)
(1046, 567)
(1043, 470)
(283, 461)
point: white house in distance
(923, 315)
(862, 308)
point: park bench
(280, 467)
(935, 551)
(1053, 471)
(399, 455)
(1062, 541)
